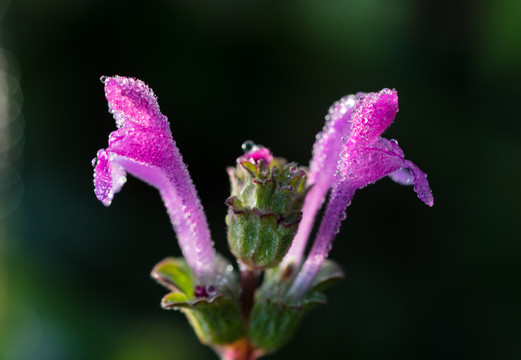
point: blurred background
(421, 283)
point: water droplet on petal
(103, 79)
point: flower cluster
(271, 212)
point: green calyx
(274, 321)
(213, 310)
(217, 319)
(264, 209)
(276, 315)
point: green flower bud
(264, 207)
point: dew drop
(101, 154)
(248, 146)
(94, 162)
(103, 79)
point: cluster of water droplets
(223, 277)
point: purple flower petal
(373, 113)
(143, 146)
(384, 157)
(402, 176)
(131, 100)
(421, 185)
(108, 178)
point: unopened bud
(264, 207)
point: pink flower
(348, 155)
(143, 146)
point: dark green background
(421, 283)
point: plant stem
(242, 349)
(239, 350)
(249, 282)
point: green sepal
(329, 273)
(216, 318)
(274, 321)
(174, 300)
(276, 315)
(279, 187)
(254, 170)
(259, 239)
(280, 278)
